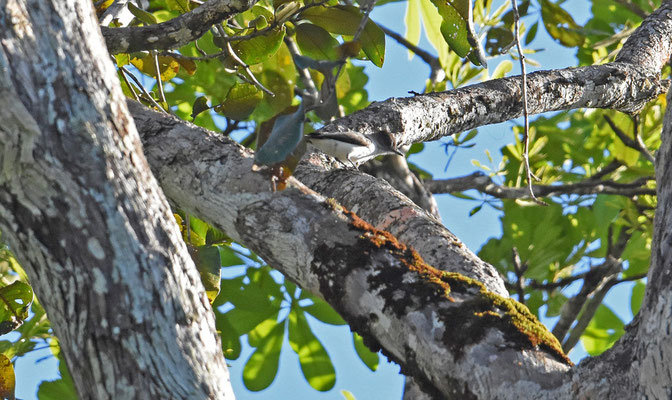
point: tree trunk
(86, 219)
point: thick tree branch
(625, 85)
(173, 33)
(326, 250)
(484, 184)
(88, 222)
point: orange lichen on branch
(489, 307)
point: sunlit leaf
(141, 14)
(7, 378)
(15, 301)
(637, 297)
(369, 358)
(241, 101)
(208, 264)
(315, 42)
(259, 48)
(315, 362)
(262, 366)
(168, 66)
(560, 24)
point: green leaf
(7, 378)
(63, 388)
(259, 48)
(323, 312)
(342, 20)
(346, 394)
(560, 24)
(315, 42)
(182, 6)
(369, 358)
(315, 362)
(453, 28)
(602, 331)
(241, 101)
(200, 105)
(141, 14)
(228, 257)
(207, 262)
(373, 43)
(15, 301)
(262, 366)
(285, 137)
(502, 69)
(637, 297)
(532, 33)
(412, 20)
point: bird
(354, 147)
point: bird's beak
(399, 152)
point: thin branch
(557, 284)
(130, 87)
(304, 75)
(589, 310)
(519, 268)
(248, 70)
(526, 112)
(594, 282)
(173, 33)
(148, 96)
(484, 184)
(437, 74)
(636, 144)
(159, 84)
(632, 7)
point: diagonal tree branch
(175, 32)
(624, 85)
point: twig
(437, 73)
(519, 268)
(594, 282)
(130, 87)
(526, 115)
(484, 184)
(229, 39)
(636, 144)
(588, 312)
(162, 95)
(634, 8)
(248, 70)
(304, 75)
(144, 91)
(557, 284)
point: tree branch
(635, 144)
(484, 184)
(625, 85)
(173, 33)
(320, 246)
(436, 74)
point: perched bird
(354, 147)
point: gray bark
(82, 211)
(86, 219)
(221, 188)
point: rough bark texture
(175, 32)
(382, 290)
(86, 219)
(388, 304)
(79, 206)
